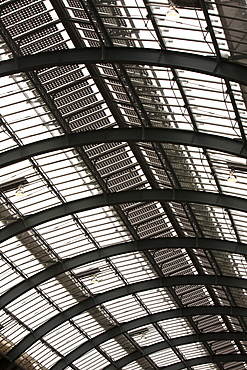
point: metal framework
(134, 56)
(159, 346)
(74, 355)
(85, 204)
(205, 360)
(156, 135)
(123, 185)
(116, 250)
(90, 303)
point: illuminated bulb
(232, 177)
(94, 280)
(143, 336)
(172, 14)
(20, 191)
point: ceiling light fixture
(95, 279)
(20, 191)
(13, 184)
(141, 333)
(172, 14)
(232, 177)
(91, 273)
(143, 336)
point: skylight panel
(87, 321)
(229, 23)
(23, 308)
(37, 198)
(16, 254)
(3, 54)
(114, 349)
(35, 201)
(205, 367)
(146, 335)
(65, 338)
(165, 357)
(62, 233)
(199, 175)
(188, 28)
(73, 246)
(126, 308)
(8, 276)
(226, 170)
(177, 327)
(239, 265)
(6, 141)
(92, 359)
(104, 226)
(11, 330)
(24, 112)
(124, 31)
(105, 279)
(66, 171)
(192, 350)
(194, 295)
(211, 114)
(166, 98)
(132, 366)
(134, 267)
(43, 355)
(239, 222)
(74, 9)
(157, 300)
(63, 291)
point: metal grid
(125, 325)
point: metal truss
(108, 199)
(165, 282)
(157, 135)
(163, 58)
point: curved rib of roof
(119, 129)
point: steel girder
(118, 249)
(213, 73)
(205, 360)
(145, 351)
(109, 199)
(158, 135)
(51, 324)
(135, 56)
(150, 319)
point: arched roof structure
(123, 184)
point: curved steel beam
(175, 136)
(145, 351)
(206, 360)
(140, 56)
(92, 302)
(118, 249)
(109, 199)
(147, 320)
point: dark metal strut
(158, 135)
(101, 200)
(134, 56)
(115, 250)
(165, 282)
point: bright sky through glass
(63, 176)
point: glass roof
(123, 185)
